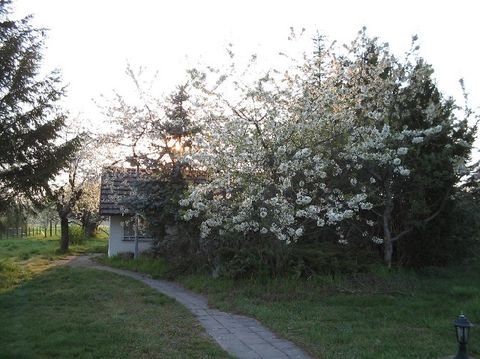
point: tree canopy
(350, 145)
(351, 141)
(31, 152)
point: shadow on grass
(84, 313)
(23, 258)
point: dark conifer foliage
(30, 119)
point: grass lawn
(22, 258)
(398, 314)
(63, 312)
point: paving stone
(282, 344)
(239, 335)
(266, 334)
(250, 338)
(267, 351)
(232, 345)
(214, 312)
(200, 312)
(218, 331)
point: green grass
(63, 312)
(22, 258)
(385, 314)
(84, 313)
(157, 268)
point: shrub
(330, 258)
(76, 234)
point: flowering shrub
(324, 144)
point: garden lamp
(462, 329)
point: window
(128, 225)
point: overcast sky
(91, 41)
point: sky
(92, 41)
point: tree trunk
(64, 237)
(388, 251)
(387, 219)
(91, 229)
(135, 253)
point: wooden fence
(29, 231)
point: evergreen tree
(437, 166)
(30, 120)
(158, 194)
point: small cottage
(117, 187)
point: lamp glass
(460, 337)
(462, 329)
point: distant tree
(30, 121)
(15, 215)
(65, 197)
(131, 122)
(86, 209)
(72, 188)
(48, 216)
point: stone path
(240, 336)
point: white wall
(116, 244)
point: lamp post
(462, 330)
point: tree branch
(424, 221)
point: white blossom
(377, 240)
(288, 169)
(366, 206)
(299, 232)
(263, 212)
(301, 213)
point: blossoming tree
(326, 143)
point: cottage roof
(117, 185)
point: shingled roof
(117, 185)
